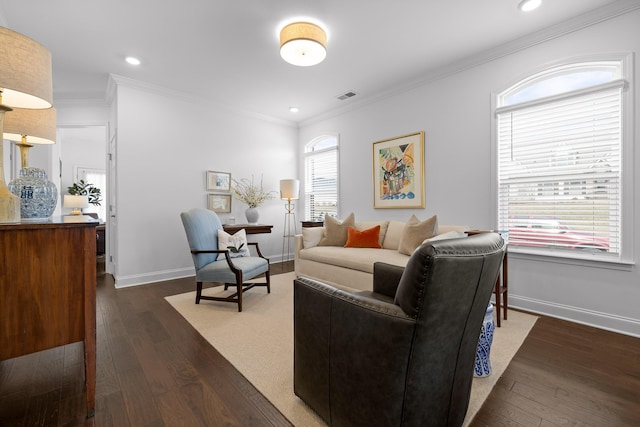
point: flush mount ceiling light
(529, 5)
(303, 43)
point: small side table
(310, 224)
(248, 228)
(502, 282)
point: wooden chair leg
(198, 292)
(268, 277)
(239, 287)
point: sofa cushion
(364, 225)
(392, 237)
(369, 238)
(357, 259)
(415, 232)
(335, 231)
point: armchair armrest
(218, 251)
(257, 250)
(386, 278)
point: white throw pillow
(311, 236)
(236, 243)
(446, 228)
(447, 235)
(392, 237)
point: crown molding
(117, 80)
(89, 102)
(610, 11)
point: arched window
(321, 177)
(559, 138)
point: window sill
(582, 260)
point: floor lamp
(289, 190)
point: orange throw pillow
(369, 238)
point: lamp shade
(289, 189)
(76, 203)
(303, 44)
(25, 71)
(37, 126)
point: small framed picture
(218, 181)
(219, 203)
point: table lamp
(77, 203)
(38, 196)
(25, 82)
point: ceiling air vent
(346, 95)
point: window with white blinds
(560, 171)
(321, 178)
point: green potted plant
(86, 189)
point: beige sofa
(353, 267)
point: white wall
(165, 145)
(455, 113)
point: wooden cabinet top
(53, 222)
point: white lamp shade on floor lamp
(289, 189)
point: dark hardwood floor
(155, 370)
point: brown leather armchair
(403, 354)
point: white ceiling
(227, 50)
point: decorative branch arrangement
(247, 192)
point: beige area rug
(259, 343)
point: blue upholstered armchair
(201, 227)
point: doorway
(83, 156)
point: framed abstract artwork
(218, 181)
(219, 203)
(398, 172)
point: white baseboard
(156, 276)
(162, 276)
(607, 321)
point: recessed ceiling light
(294, 109)
(529, 5)
(131, 60)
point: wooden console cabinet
(48, 291)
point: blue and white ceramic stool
(482, 366)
